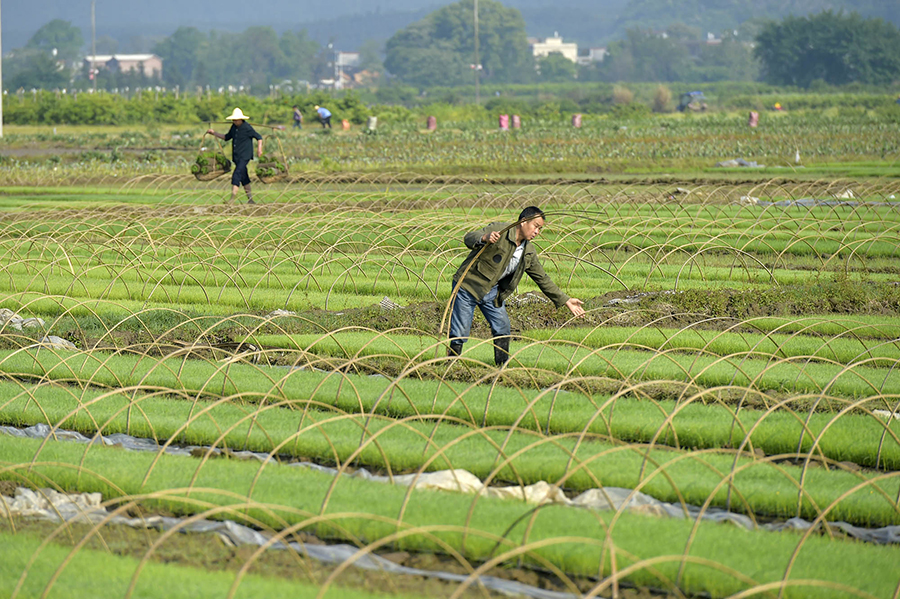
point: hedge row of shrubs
(150, 107)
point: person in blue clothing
(324, 116)
(241, 135)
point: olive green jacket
(487, 268)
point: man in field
(241, 135)
(500, 254)
(324, 116)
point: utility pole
(338, 70)
(477, 66)
(1, 79)
(93, 44)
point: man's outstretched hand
(574, 304)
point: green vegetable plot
(736, 377)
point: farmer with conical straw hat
(241, 135)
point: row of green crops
(735, 355)
(32, 568)
(504, 446)
(350, 258)
(551, 411)
(571, 540)
(602, 143)
(630, 361)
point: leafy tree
(107, 45)
(59, 34)
(440, 48)
(370, 53)
(298, 51)
(835, 48)
(556, 68)
(180, 52)
(683, 33)
(646, 56)
(256, 57)
(216, 57)
(426, 67)
(322, 64)
(722, 15)
(732, 60)
(35, 69)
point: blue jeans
(464, 312)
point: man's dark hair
(530, 213)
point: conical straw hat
(237, 115)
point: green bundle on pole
(270, 169)
(210, 164)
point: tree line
(441, 50)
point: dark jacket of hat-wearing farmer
(500, 254)
(241, 135)
(242, 141)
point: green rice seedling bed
(516, 452)
(501, 405)
(633, 362)
(832, 325)
(866, 230)
(844, 349)
(345, 283)
(250, 267)
(81, 573)
(777, 431)
(570, 539)
(343, 238)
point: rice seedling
(739, 353)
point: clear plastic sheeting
(814, 202)
(54, 342)
(739, 162)
(53, 506)
(11, 319)
(40, 431)
(462, 481)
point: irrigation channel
(733, 388)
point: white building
(347, 60)
(126, 63)
(554, 44)
(591, 55)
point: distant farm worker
(298, 118)
(241, 135)
(324, 116)
(490, 276)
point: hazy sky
(150, 20)
(123, 19)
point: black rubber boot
(455, 348)
(501, 350)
